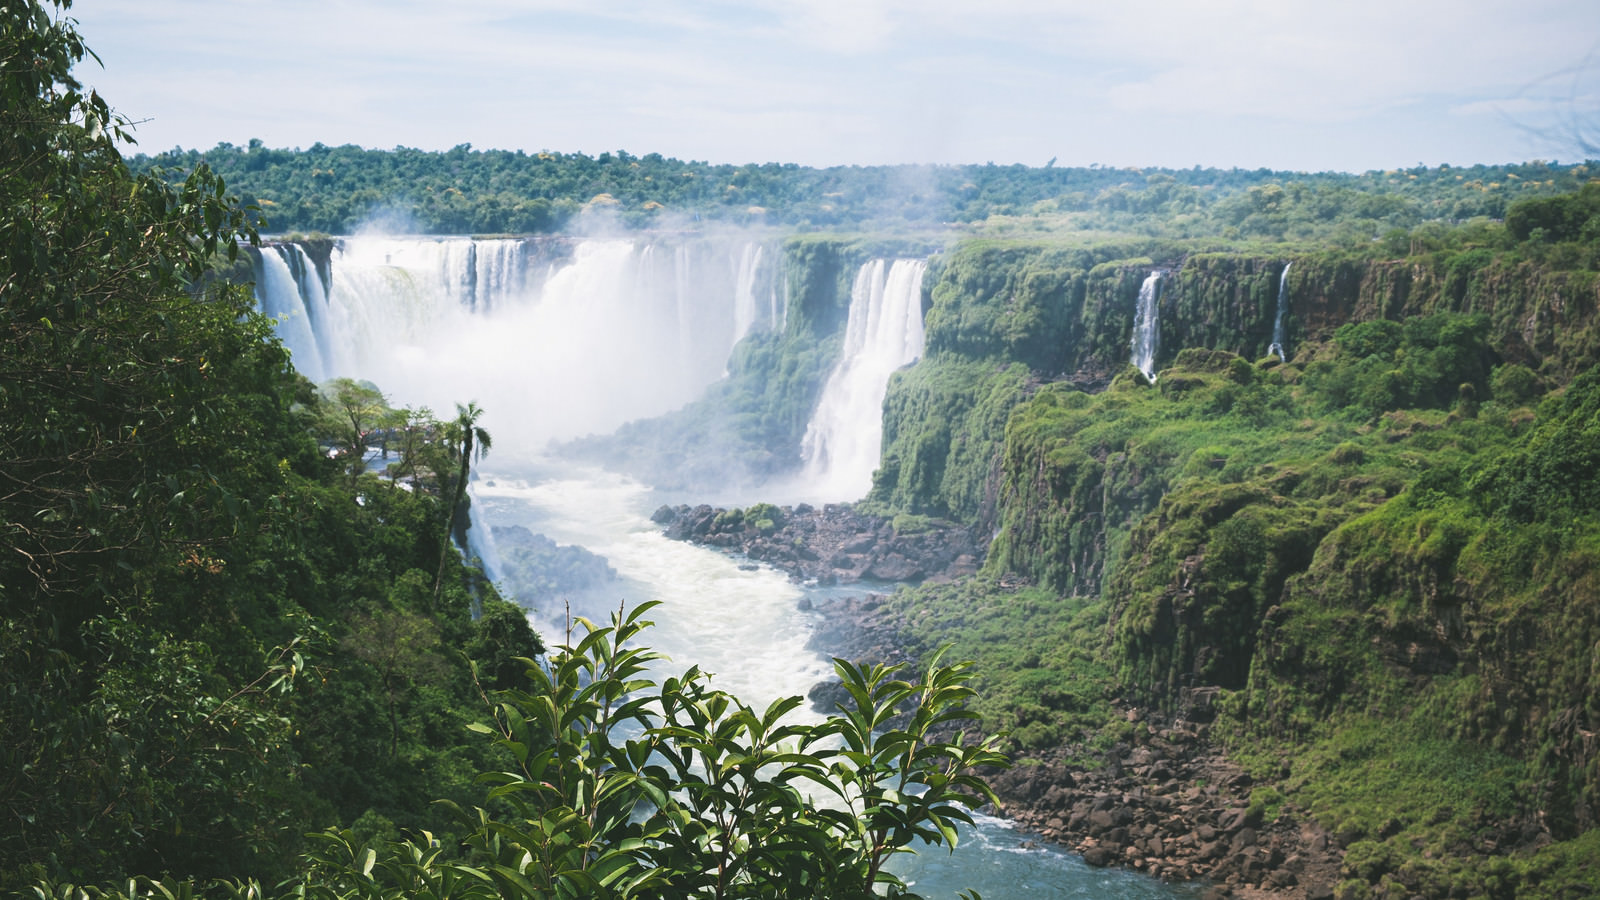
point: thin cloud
(842, 81)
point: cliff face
(1383, 551)
(1067, 314)
(1541, 318)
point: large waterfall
(1277, 323)
(555, 339)
(1147, 327)
(884, 332)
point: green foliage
(347, 417)
(942, 422)
(467, 442)
(1564, 217)
(1513, 385)
(1037, 671)
(1423, 362)
(178, 553)
(1556, 473)
(625, 787)
(620, 786)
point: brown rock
(1099, 857)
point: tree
(400, 646)
(350, 412)
(469, 441)
(417, 431)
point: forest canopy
(338, 190)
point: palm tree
(472, 442)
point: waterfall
(554, 338)
(778, 304)
(1147, 327)
(279, 295)
(1277, 323)
(884, 332)
(744, 310)
(313, 296)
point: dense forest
(220, 627)
(338, 190)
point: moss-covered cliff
(1066, 312)
(1381, 554)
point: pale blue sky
(1351, 86)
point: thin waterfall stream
(1146, 341)
(1276, 349)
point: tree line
(468, 191)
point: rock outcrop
(832, 544)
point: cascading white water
(313, 296)
(1277, 323)
(1147, 327)
(744, 309)
(618, 330)
(884, 332)
(279, 294)
(778, 305)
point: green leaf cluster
(616, 785)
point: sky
(1280, 84)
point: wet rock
(834, 545)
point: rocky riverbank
(1165, 800)
(832, 544)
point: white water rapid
(1277, 323)
(884, 332)
(559, 343)
(1147, 327)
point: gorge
(1012, 335)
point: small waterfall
(744, 309)
(778, 302)
(843, 441)
(1147, 327)
(278, 293)
(1277, 323)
